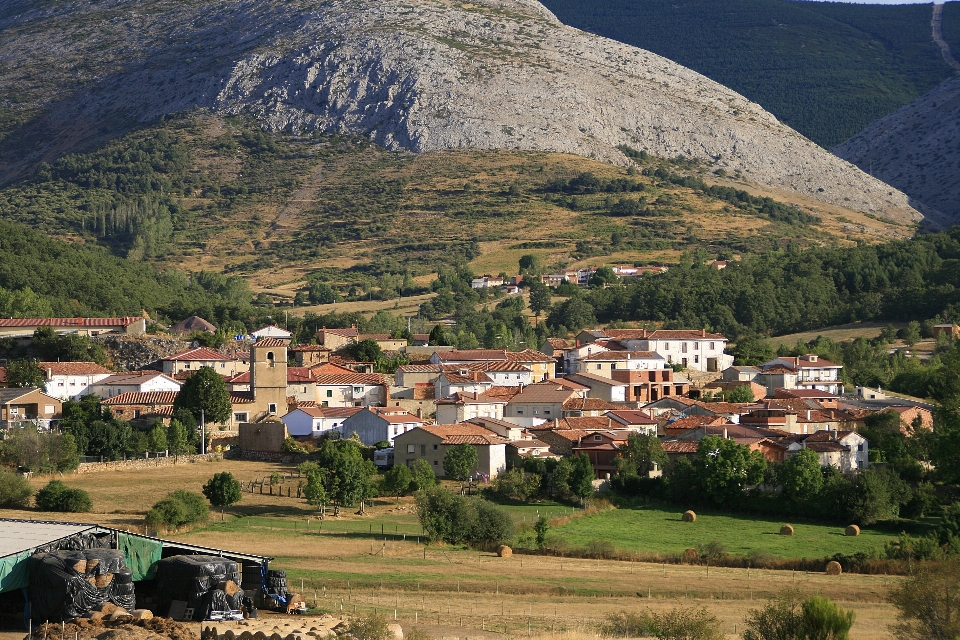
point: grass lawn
(660, 530)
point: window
(423, 449)
(712, 347)
(240, 417)
(536, 411)
(435, 447)
(546, 411)
(860, 447)
(696, 359)
(519, 412)
(435, 463)
(186, 365)
(329, 393)
(683, 348)
(271, 408)
(223, 365)
(598, 437)
(411, 448)
(395, 430)
(696, 346)
(59, 384)
(136, 413)
(599, 366)
(270, 359)
(324, 404)
(358, 389)
(666, 346)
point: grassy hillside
(202, 193)
(825, 69)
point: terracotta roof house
(602, 387)
(273, 331)
(462, 380)
(134, 382)
(803, 372)
(602, 448)
(335, 339)
(146, 406)
(191, 324)
(26, 406)
(431, 443)
(539, 402)
(71, 380)
(605, 362)
(25, 327)
(634, 420)
(192, 360)
(502, 428)
(307, 355)
(351, 389)
(694, 349)
(462, 406)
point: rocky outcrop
(917, 150)
(411, 74)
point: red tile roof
(350, 378)
(528, 355)
(350, 332)
(327, 412)
(309, 348)
(626, 416)
(269, 342)
(501, 393)
(467, 355)
(125, 321)
(559, 343)
(680, 447)
(198, 353)
(72, 368)
(618, 356)
(587, 404)
(464, 433)
(141, 397)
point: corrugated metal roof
(23, 535)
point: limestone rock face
(916, 149)
(411, 74)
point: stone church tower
(268, 376)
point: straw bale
(395, 631)
(229, 586)
(107, 608)
(786, 530)
(141, 614)
(102, 581)
(92, 564)
(80, 566)
(503, 551)
(852, 530)
(689, 516)
(97, 615)
(690, 555)
(834, 568)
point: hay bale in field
(834, 568)
(107, 608)
(689, 516)
(852, 530)
(503, 551)
(395, 631)
(690, 555)
(786, 530)
(103, 581)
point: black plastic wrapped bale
(70, 584)
(191, 578)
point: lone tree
(581, 477)
(539, 297)
(397, 480)
(207, 392)
(222, 490)
(460, 461)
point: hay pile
(125, 629)
(834, 568)
(689, 516)
(786, 530)
(690, 555)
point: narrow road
(936, 25)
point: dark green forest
(826, 69)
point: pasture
(376, 563)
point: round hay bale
(395, 631)
(786, 530)
(142, 614)
(229, 587)
(107, 608)
(689, 516)
(852, 530)
(103, 581)
(834, 568)
(690, 555)
(503, 551)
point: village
(583, 395)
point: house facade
(460, 407)
(803, 372)
(22, 407)
(135, 382)
(192, 360)
(351, 390)
(692, 349)
(71, 380)
(317, 421)
(373, 425)
(431, 443)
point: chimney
(49, 373)
(419, 413)
(724, 433)
(809, 413)
(703, 333)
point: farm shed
(21, 539)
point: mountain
(418, 74)
(827, 69)
(916, 149)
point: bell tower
(268, 375)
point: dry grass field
(374, 563)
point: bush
(369, 628)
(790, 618)
(178, 509)
(627, 625)
(676, 624)
(57, 496)
(927, 603)
(15, 491)
(455, 519)
(292, 446)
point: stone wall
(146, 463)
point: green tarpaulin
(142, 555)
(13, 571)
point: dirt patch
(152, 629)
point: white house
(604, 363)
(461, 380)
(351, 390)
(846, 450)
(431, 443)
(804, 372)
(135, 382)
(373, 425)
(316, 421)
(460, 407)
(70, 380)
(193, 359)
(694, 349)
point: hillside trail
(289, 220)
(936, 26)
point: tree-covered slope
(826, 69)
